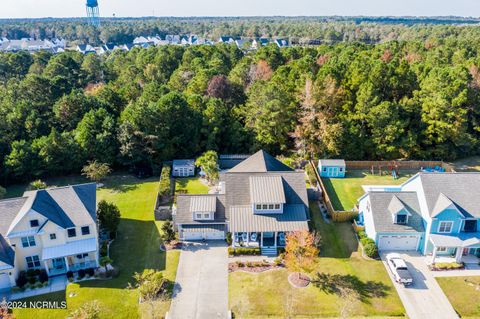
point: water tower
(93, 13)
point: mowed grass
(469, 164)
(135, 249)
(344, 192)
(269, 295)
(463, 293)
(190, 185)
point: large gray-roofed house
(261, 199)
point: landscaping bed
(253, 266)
(298, 280)
(244, 251)
(446, 266)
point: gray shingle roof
(332, 162)
(203, 203)
(185, 216)
(266, 189)
(383, 219)
(9, 208)
(260, 162)
(7, 254)
(184, 162)
(242, 219)
(463, 189)
(396, 205)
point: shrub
(90, 271)
(104, 249)
(228, 238)
(151, 284)
(70, 279)
(249, 264)
(22, 279)
(69, 274)
(108, 216)
(168, 233)
(365, 241)
(32, 280)
(37, 272)
(448, 266)
(371, 250)
(30, 272)
(112, 273)
(240, 263)
(164, 187)
(280, 250)
(81, 273)
(38, 285)
(242, 251)
(278, 261)
(90, 310)
(43, 277)
(362, 234)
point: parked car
(399, 269)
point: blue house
(331, 167)
(436, 214)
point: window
(85, 230)
(445, 227)
(441, 249)
(277, 206)
(341, 169)
(28, 241)
(324, 169)
(206, 216)
(401, 219)
(470, 225)
(270, 206)
(259, 207)
(264, 206)
(81, 256)
(72, 232)
(34, 223)
(53, 236)
(198, 216)
(33, 261)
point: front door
(58, 263)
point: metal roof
(203, 228)
(332, 162)
(185, 216)
(203, 203)
(70, 248)
(242, 219)
(382, 216)
(266, 189)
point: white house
(53, 229)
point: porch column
(434, 254)
(66, 263)
(275, 239)
(46, 266)
(458, 254)
(234, 234)
(261, 239)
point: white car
(399, 269)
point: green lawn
(463, 293)
(191, 185)
(344, 192)
(135, 249)
(268, 294)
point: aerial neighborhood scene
(220, 159)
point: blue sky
(123, 8)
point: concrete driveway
(201, 285)
(425, 298)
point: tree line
(399, 99)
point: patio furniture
(253, 237)
(244, 237)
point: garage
(398, 242)
(202, 232)
(4, 281)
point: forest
(408, 99)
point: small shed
(183, 168)
(331, 167)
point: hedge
(164, 188)
(240, 251)
(365, 241)
(371, 250)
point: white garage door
(4, 281)
(405, 242)
(215, 235)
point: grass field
(269, 295)
(463, 293)
(135, 249)
(344, 192)
(469, 164)
(190, 185)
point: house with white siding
(53, 229)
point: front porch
(62, 265)
(449, 249)
(267, 241)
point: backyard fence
(414, 165)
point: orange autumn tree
(301, 250)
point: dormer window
(402, 219)
(259, 206)
(72, 232)
(34, 223)
(204, 215)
